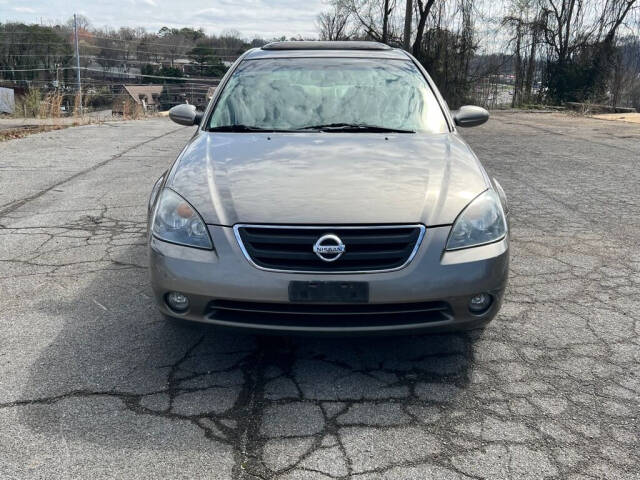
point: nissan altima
(327, 189)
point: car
(327, 190)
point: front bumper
(432, 276)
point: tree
(423, 8)
(444, 41)
(175, 43)
(202, 55)
(26, 47)
(581, 45)
(333, 24)
(83, 23)
(375, 18)
(153, 71)
(523, 19)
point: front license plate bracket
(328, 292)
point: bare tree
(535, 27)
(83, 22)
(333, 25)
(423, 10)
(561, 49)
(375, 18)
(523, 19)
(387, 10)
(408, 21)
(567, 26)
(612, 19)
(581, 37)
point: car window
(293, 93)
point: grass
(20, 132)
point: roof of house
(138, 92)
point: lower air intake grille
(327, 315)
(366, 249)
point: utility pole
(75, 32)
(408, 14)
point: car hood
(328, 178)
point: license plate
(329, 292)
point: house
(146, 96)
(197, 94)
(180, 63)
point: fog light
(177, 301)
(480, 303)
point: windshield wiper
(243, 128)
(354, 127)
(329, 127)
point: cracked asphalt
(95, 384)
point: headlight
(154, 191)
(176, 221)
(481, 222)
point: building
(146, 96)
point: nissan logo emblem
(329, 248)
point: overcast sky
(265, 18)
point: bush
(51, 105)
(28, 105)
(131, 110)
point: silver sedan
(327, 190)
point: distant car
(327, 190)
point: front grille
(328, 315)
(366, 248)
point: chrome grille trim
(237, 227)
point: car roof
(299, 49)
(324, 45)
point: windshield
(298, 93)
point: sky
(263, 18)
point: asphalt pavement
(94, 383)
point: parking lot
(94, 383)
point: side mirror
(185, 114)
(470, 116)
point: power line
(139, 40)
(151, 54)
(93, 57)
(162, 44)
(134, 41)
(142, 40)
(120, 60)
(133, 49)
(35, 69)
(25, 32)
(39, 55)
(143, 51)
(178, 79)
(153, 76)
(170, 88)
